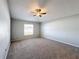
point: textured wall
(64, 30)
(4, 29)
(18, 30)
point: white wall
(18, 29)
(4, 29)
(64, 30)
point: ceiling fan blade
(43, 13)
(34, 15)
(33, 12)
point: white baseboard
(6, 51)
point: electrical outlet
(5, 49)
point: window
(28, 29)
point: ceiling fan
(38, 12)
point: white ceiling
(21, 9)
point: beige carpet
(42, 49)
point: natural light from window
(28, 29)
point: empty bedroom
(39, 29)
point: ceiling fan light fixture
(39, 12)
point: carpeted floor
(42, 49)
